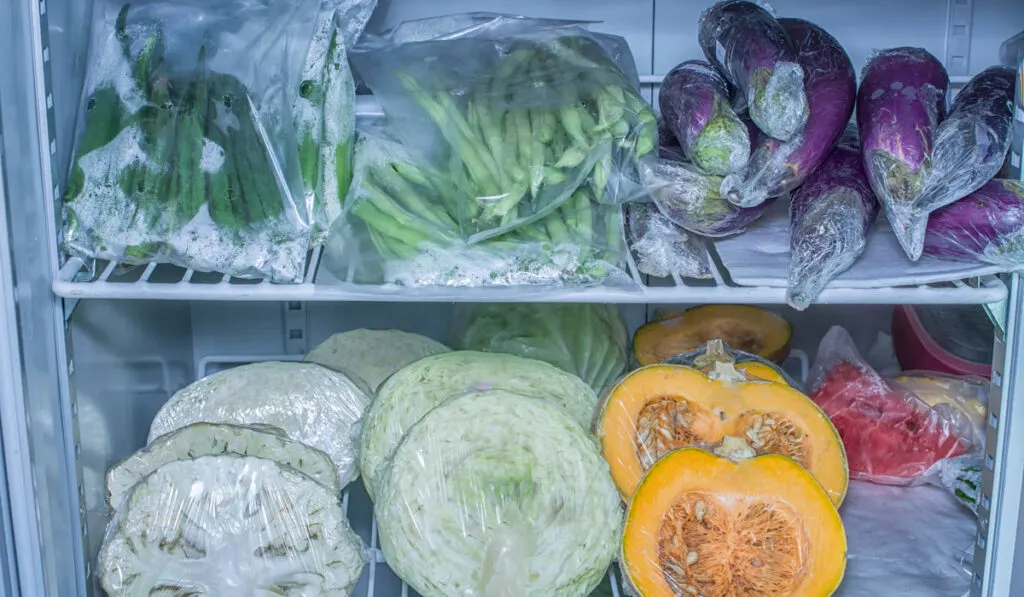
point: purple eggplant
(970, 147)
(694, 102)
(747, 44)
(830, 216)
(901, 100)
(777, 167)
(660, 248)
(986, 226)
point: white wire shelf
(78, 280)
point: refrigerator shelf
(768, 286)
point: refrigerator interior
(126, 357)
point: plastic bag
(324, 110)
(230, 525)
(186, 148)
(986, 226)
(963, 399)
(660, 248)
(515, 112)
(312, 404)
(589, 340)
(402, 226)
(891, 436)
(498, 494)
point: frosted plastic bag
(417, 388)
(515, 114)
(891, 436)
(830, 217)
(404, 225)
(589, 340)
(312, 404)
(906, 541)
(324, 110)
(230, 525)
(495, 493)
(373, 355)
(660, 248)
(186, 149)
(986, 226)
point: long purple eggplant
(970, 146)
(830, 217)
(694, 102)
(901, 101)
(777, 167)
(747, 44)
(986, 226)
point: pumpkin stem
(714, 352)
(727, 372)
(735, 449)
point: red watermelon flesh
(891, 437)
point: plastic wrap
(891, 436)
(230, 525)
(207, 439)
(312, 404)
(900, 102)
(694, 102)
(186, 151)
(589, 340)
(324, 110)
(987, 226)
(744, 41)
(414, 390)
(970, 146)
(691, 199)
(961, 477)
(704, 359)
(660, 248)
(494, 493)
(373, 355)
(778, 167)
(830, 217)
(962, 399)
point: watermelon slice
(891, 436)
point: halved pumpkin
(743, 327)
(656, 409)
(703, 525)
(751, 365)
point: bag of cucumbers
(186, 145)
(510, 145)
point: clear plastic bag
(660, 248)
(589, 340)
(186, 147)
(495, 493)
(230, 525)
(324, 110)
(403, 226)
(312, 404)
(891, 436)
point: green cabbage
(588, 340)
(415, 389)
(494, 493)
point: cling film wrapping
(230, 525)
(660, 248)
(496, 493)
(185, 152)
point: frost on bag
(495, 493)
(229, 525)
(324, 110)
(589, 340)
(660, 248)
(891, 436)
(186, 152)
(310, 403)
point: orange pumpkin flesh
(660, 408)
(703, 525)
(743, 327)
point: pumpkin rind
(743, 327)
(697, 522)
(658, 408)
(751, 365)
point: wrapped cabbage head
(411, 392)
(230, 525)
(373, 355)
(312, 404)
(494, 493)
